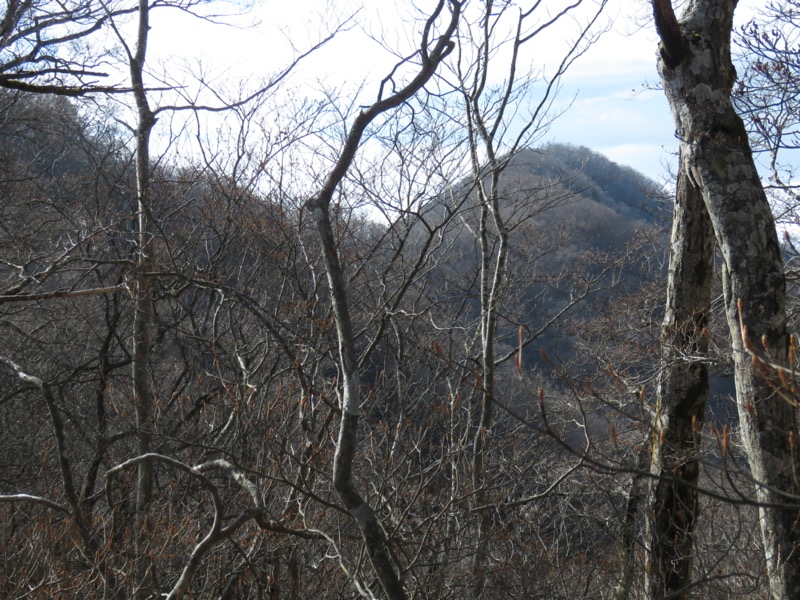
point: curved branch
(319, 205)
(35, 500)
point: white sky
(612, 109)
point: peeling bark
(715, 155)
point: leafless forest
(262, 343)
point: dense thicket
(496, 404)
(242, 327)
(244, 374)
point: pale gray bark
(698, 75)
(144, 310)
(492, 146)
(494, 258)
(74, 508)
(682, 395)
(143, 300)
(431, 53)
(626, 587)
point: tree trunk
(144, 309)
(432, 52)
(374, 541)
(697, 74)
(493, 237)
(682, 395)
(143, 300)
(628, 544)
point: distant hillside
(613, 220)
(580, 227)
(621, 188)
(606, 204)
(573, 201)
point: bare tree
(46, 47)
(143, 304)
(682, 396)
(495, 133)
(767, 91)
(698, 76)
(88, 246)
(434, 48)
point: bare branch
(57, 294)
(34, 499)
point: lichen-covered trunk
(682, 395)
(697, 74)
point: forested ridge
(296, 347)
